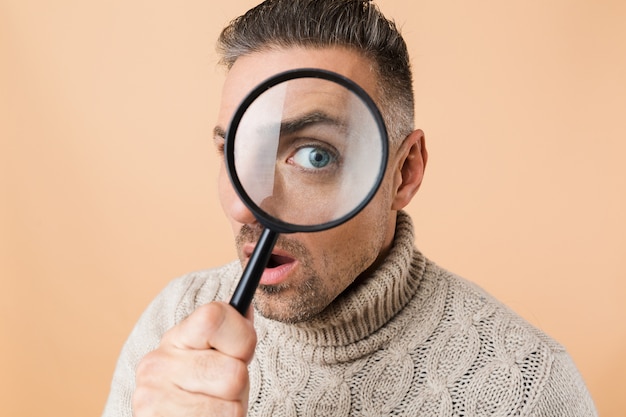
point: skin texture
(200, 366)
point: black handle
(242, 297)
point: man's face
(307, 271)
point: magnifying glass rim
(264, 218)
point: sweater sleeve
(565, 393)
(170, 307)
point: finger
(215, 325)
(149, 401)
(212, 373)
(207, 372)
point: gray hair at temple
(355, 24)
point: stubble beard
(293, 302)
(309, 293)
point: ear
(409, 166)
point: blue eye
(311, 157)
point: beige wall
(107, 174)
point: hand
(200, 366)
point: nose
(232, 205)
(240, 212)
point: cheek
(224, 189)
(356, 243)
(228, 197)
(235, 210)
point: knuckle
(209, 317)
(223, 376)
(205, 363)
(213, 312)
(238, 380)
(250, 342)
(148, 366)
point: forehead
(250, 70)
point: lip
(282, 263)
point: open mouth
(278, 268)
(277, 260)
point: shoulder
(505, 336)
(497, 361)
(469, 304)
(187, 292)
(180, 298)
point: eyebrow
(219, 132)
(296, 124)
(316, 117)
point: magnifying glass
(306, 150)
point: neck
(380, 259)
(381, 293)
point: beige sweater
(413, 340)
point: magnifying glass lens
(307, 151)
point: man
(349, 321)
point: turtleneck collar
(354, 316)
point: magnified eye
(312, 157)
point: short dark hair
(355, 24)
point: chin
(283, 312)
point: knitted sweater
(412, 340)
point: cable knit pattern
(412, 340)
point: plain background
(107, 174)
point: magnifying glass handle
(242, 297)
